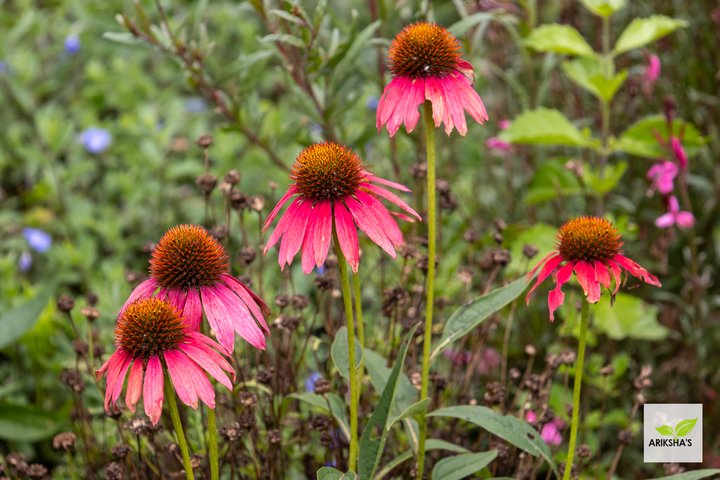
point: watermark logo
(673, 432)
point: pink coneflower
(332, 189)
(592, 248)
(663, 175)
(190, 268)
(426, 64)
(151, 336)
(674, 216)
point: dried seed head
(589, 239)
(424, 50)
(149, 327)
(65, 303)
(187, 256)
(64, 441)
(327, 171)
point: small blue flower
(4, 67)
(37, 239)
(25, 261)
(195, 105)
(72, 44)
(310, 381)
(316, 128)
(321, 270)
(95, 140)
(372, 103)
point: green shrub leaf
(642, 31)
(558, 38)
(461, 466)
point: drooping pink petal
(556, 296)
(471, 101)
(231, 314)
(389, 100)
(385, 221)
(666, 220)
(549, 267)
(585, 273)
(308, 246)
(283, 200)
(120, 380)
(176, 297)
(547, 257)
(369, 177)
(203, 386)
(142, 291)
(617, 273)
(207, 362)
(636, 270)
(115, 364)
(247, 296)
(366, 222)
(192, 310)
(347, 235)
(197, 339)
(323, 232)
(415, 98)
(293, 237)
(453, 87)
(434, 94)
(181, 378)
(153, 387)
(218, 318)
(602, 274)
(466, 68)
(134, 385)
(391, 197)
(285, 221)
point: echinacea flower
(152, 337)
(190, 268)
(663, 175)
(426, 64)
(674, 216)
(592, 248)
(333, 190)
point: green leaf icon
(684, 427)
(665, 430)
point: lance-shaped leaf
(642, 31)
(544, 126)
(461, 466)
(556, 38)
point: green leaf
(694, 475)
(461, 466)
(22, 423)
(461, 27)
(330, 473)
(15, 323)
(588, 74)
(628, 317)
(476, 311)
(684, 427)
(642, 31)
(371, 446)
(413, 410)
(550, 181)
(430, 444)
(558, 38)
(543, 126)
(406, 394)
(641, 138)
(600, 184)
(336, 408)
(604, 8)
(284, 38)
(509, 428)
(665, 430)
(339, 352)
(125, 38)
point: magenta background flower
(457, 357)
(679, 152)
(662, 176)
(152, 337)
(530, 416)
(426, 65)
(652, 72)
(189, 268)
(674, 216)
(332, 189)
(552, 432)
(494, 143)
(591, 247)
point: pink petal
(308, 252)
(347, 235)
(230, 313)
(383, 218)
(685, 220)
(673, 204)
(636, 270)
(192, 310)
(153, 389)
(585, 272)
(207, 362)
(415, 98)
(197, 338)
(115, 364)
(392, 95)
(294, 234)
(471, 101)
(453, 88)
(556, 296)
(120, 380)
(367, 223)
(391, 197)
(134, 385)
(548, 269)
(665, 221)
(182, 378)
(323, 232)
(218, 318)
(531, 273)
(602, 274)
(247, 296)
(142, 291)
(434, 94)
(282, 225)
(176, 297)
(283, 200)
(369, 177)
(616, 272)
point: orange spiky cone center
(424, 50)
(327, 171)
(589, 239)
(149, 327)
(187, 256)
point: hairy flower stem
(213, 445)
(177, 426)
(584, 314)
(347, 300)
(360, 329)
(430, 286)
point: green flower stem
(430, 287)
(347, 300)
(576, 388)
(360, 329)
(213, 445)
(177, 426)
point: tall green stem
(430, 285)
(177, 425)
(347, 300)
(213, 445)
(576, 388)
(360, 329)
